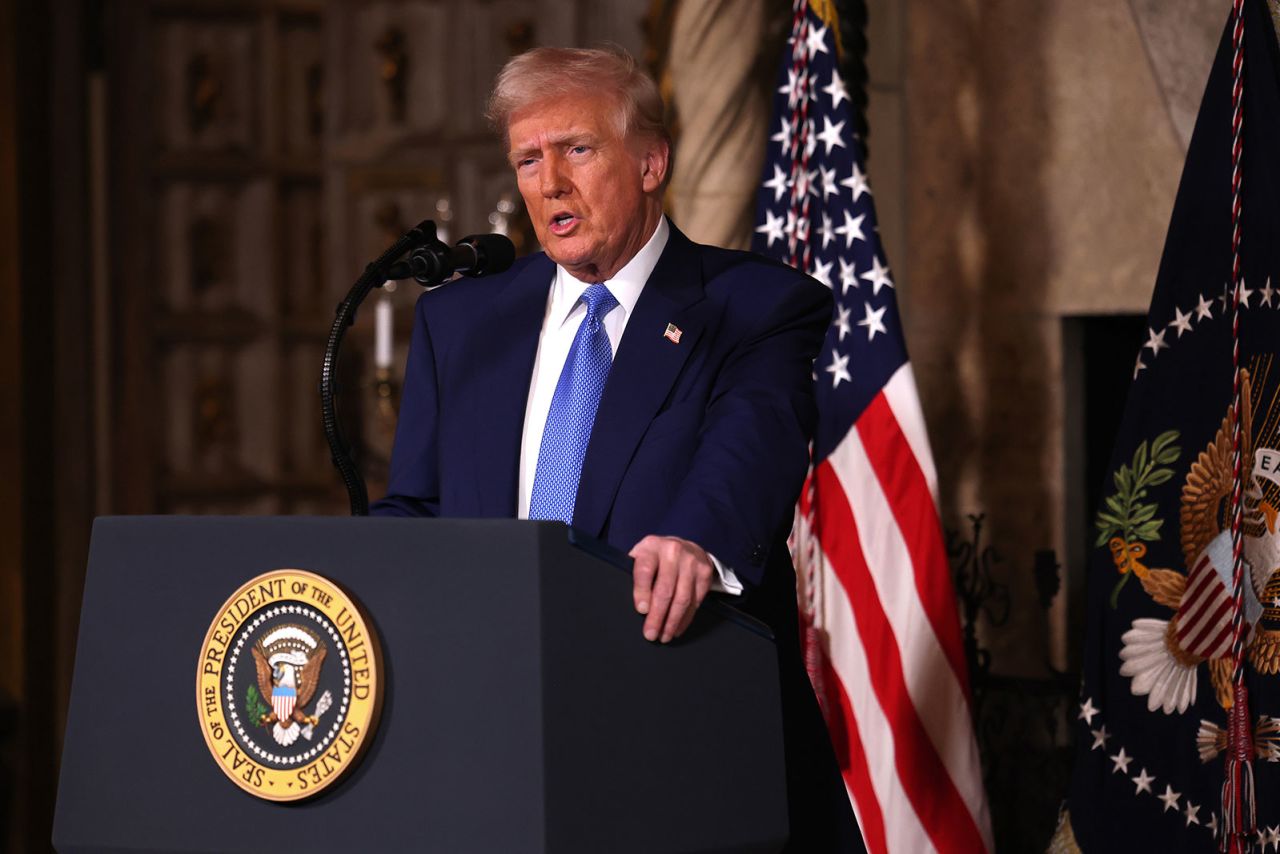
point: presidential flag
(882, 634)
(1157, 693)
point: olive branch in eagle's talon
(1126, 520)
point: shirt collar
(626, 286)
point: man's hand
(671, 577)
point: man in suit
(650, 391)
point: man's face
(593, 195)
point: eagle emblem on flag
(1162, 657)
(288, 660)
(1178, 740)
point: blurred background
(188, 187)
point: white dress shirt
(564, 314)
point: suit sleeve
(414, 485)
(737, 499)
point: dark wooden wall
(187, 187)
(45, 425)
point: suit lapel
(498, 375)
(644, 370)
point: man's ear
(654, 162)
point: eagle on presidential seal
(1162, 656)
(288, 660)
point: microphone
(476, 255)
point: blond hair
(551, 72)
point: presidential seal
(288, 685)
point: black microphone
(476, 255)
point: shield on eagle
(282, 699)
(1204, 618)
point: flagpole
(1238, 808)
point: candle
(382, 341)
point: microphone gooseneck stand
(374, 276)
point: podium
(522, 709)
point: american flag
(882, 633)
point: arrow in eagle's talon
(322, 706)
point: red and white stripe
(1204, 616)
(876, 586)
(282, 705)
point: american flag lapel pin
(672, 334)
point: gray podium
(523, 710)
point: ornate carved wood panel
(268, 150)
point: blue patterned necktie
(573, 412)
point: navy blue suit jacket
(705, 439)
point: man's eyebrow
(571, 138)
(574, 138)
